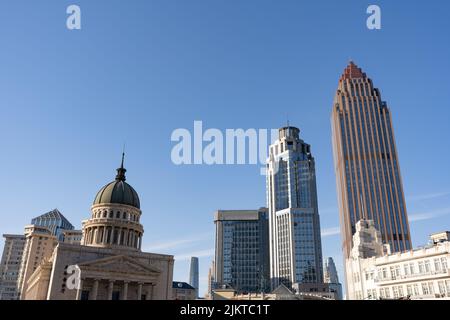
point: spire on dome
(121, 171)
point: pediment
(282, 290)
(119, 263)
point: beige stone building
(373, 272)
(39, 246)
(108, 264)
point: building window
(425, 290)
(427, 266)
(416, 289)
(409, 290)
(444, 264)
(441, 285)
(421, 267)
(431, 287)
(395, 291)
(437, 264)
(84, 295)
(116, 295)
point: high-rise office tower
(295, 244)
(368, 179)
(242, 250)
(10, 266)
(193, 274)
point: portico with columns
(117, 278)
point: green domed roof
(118, 191)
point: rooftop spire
(121, 171)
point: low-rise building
(183, 291)
(375, 273)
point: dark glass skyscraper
(368, 179)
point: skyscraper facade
(368, 179)
(193, 274)
(242, 250)
(295, 244)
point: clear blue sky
(140, 69)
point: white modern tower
(294, 227)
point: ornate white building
(375, 273)
(109, 259)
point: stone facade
(108, 263)
(373, 273)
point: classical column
(119, 233)
(111, 240)
(139, 293)
(125, 291)
(140, 241)
(135, 239)
(79, 290)
(105, 231)
(94, 290)
(110, 289)
(125, 241)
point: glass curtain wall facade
(242, 250)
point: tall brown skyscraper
(368, 179)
